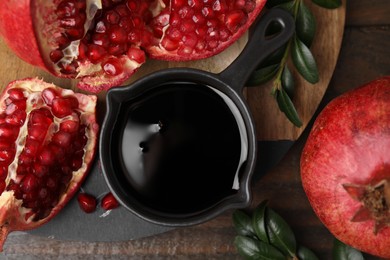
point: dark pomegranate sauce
(181, 147)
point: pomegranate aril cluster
(199, 25)
(118, 31)
(50, 147)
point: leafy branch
(266, 235)
(298, 48)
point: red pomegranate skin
(349, 144)
(18, 32)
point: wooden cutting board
(271, 124)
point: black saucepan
(178, 147)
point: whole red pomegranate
(48, 137)
(345, 167)
(103, 42)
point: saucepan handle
(259, 46)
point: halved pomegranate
(103, 42)
(48, 137)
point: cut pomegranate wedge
(48, 138)
(103, 42)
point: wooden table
(364, 56)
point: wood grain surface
(364, 56)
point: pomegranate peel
(44, 157)
(345, 167)
(103, 42)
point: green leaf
(243, 223)
(287, 107)
(255, 249)
(330, 4)
(304, 253)
(263, 75)
(288, 81)
(258, 220)
(280, 234)
(304, 61)
(305, 24)
(342, 251)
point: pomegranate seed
(169, 44)
(58, 152)
(16, 94)
(2, 186)
(96, 53)
(185, 50)
(3, 172)
(109, 202)
(136, 54)
(64, 106)
(126, 23)
(62, 41)
(117, 35)
(132, 5)
(174, 34)
(224, 34)
(62, 138)
(112, 17)
(81, 4)
(100, 40)
(186, 12)
(83, 51)
(76, 163)
(24, 159)
(8, 132)
(46, 156)
(250, 5)
(32, 147)
(122, 10)
(220, 6)
(56, 56)
(179, 3)
(100, 27)
(29, 183)
(75, 33)
(207, 12)
(187, 26)
(66, 9)
(17, 118)
(87, 202)
(69, 126)
(198, 19)
(41, 117)
(52, 183)
(117, 49)
(42, 193)
(71, 22)
(48, 95)
(16, 105)
(112, 67)
(40, 170)
(134, 36)
(234, 19)
(7, 155)
(137, 21)
(37, 133)
(196, 4)
(68, 68)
